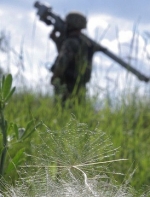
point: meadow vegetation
(78, 150)
(100, 148)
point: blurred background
(123, 27)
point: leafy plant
(6, 92)
(11, 133)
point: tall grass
(79, 151)
(78, 140)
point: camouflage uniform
(72, 68)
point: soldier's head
(75, 21)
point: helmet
(75, 20)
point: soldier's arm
(67, 53)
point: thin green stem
(3, 127)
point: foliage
(5, 93)
(78, 143)
(10, 132)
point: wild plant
(6, 92)
(10, 133)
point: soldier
(73, 65)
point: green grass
(83, 137)
(78, 151)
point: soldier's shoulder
(72, 42)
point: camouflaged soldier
(72, 68)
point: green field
(108, 145)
